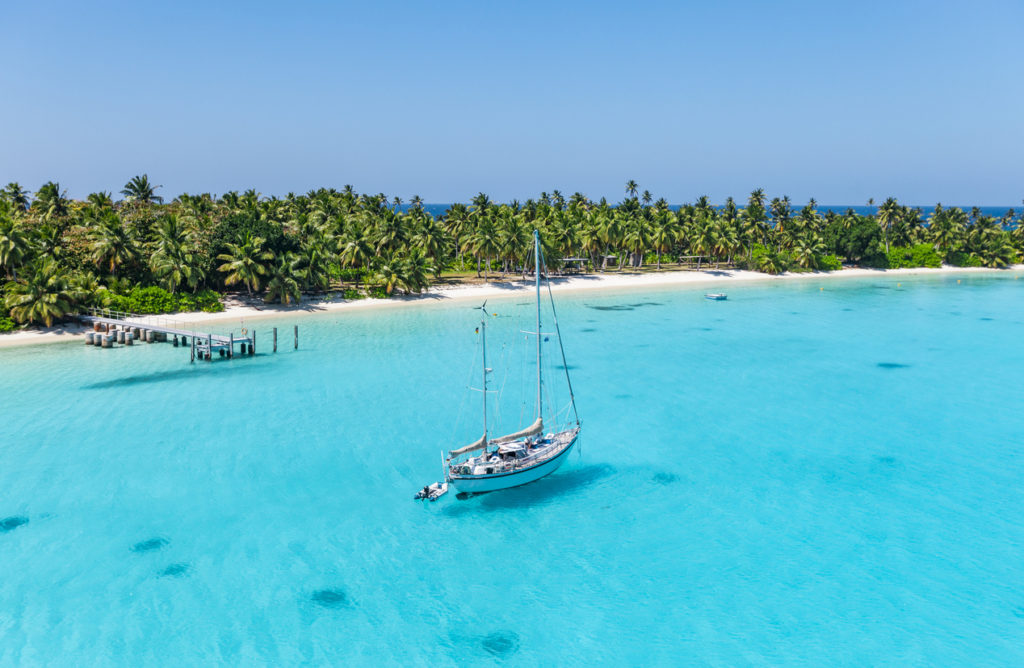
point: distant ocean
(994, 211)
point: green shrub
(920, 255)
(7, 325)
(829, 263)
(206, 300)
(962, 259)
(209, 301)
(151, 300)
(875, 260)
(154, 300)
(378, 293)
(351, 274)
(351, 293)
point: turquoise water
(791, 476)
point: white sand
(721, 279)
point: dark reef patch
(985, 319)
(615, 307)
(500, 643)
(588, 329)
(665, 478)
(150, 545)
(12, 523)
(330, 598)
(175, 571)
(892, 365)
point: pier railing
(138, 318)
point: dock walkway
(157, 328)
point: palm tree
(484, 242)
(705, 241)
(246, 262)
(631, 188)
(16, 195)
(139, 189)
(663, 233)
(770, 263)
(998, 252)
(408, 273)
(807, 249)
(100, 200)
(112, 246)
(42, 295)
(887, 215)
(635, 240)
(755, 221)
(355, 250)
(415, 269)
(314, 260)
(283, 284)
(171, 260)
(14, 246)
(429, 238)
(51, 201)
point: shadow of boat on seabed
(557, 485)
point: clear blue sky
(840, 101)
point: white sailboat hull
(478, 484)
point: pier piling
(296, 337)
(275, 339)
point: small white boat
(433, 492)
(525, 455)
(716, 296)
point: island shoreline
(238, 312)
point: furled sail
(535, 428)
(469, 448)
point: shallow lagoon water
(793, 475)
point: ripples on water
(792, 476)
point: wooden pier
(112, 327)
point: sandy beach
(240, 312)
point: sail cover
(469, 448)
(535, 428)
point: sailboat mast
(536, 259)
(483, 332)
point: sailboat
(525, 455)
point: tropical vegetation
(141, 253)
